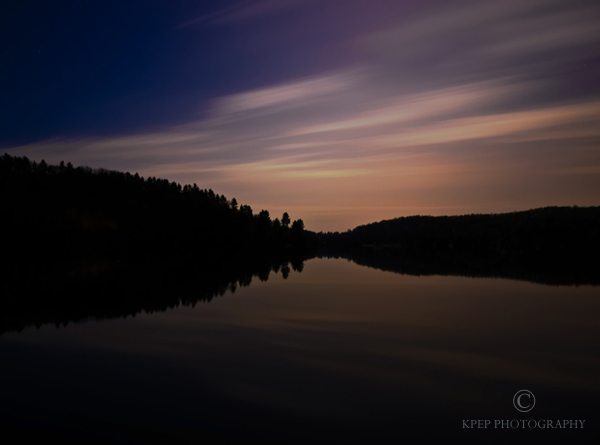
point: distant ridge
(76, 226)
(559, 226)
(552, 245)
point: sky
(339, 112)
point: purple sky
(340, 112)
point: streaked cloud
(460, 43)
(479, 127)
(243, 10)
(463, 109)
(287, 94)
(418, 107)
(410, 150)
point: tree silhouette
(246, 210)
(297, 226)
(263, 216)
(85, 231)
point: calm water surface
(336, 354)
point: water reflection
(339, 353)
(146, 287)
(540, 268)
(153, 286)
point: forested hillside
(553, 245)
(63, 224)
(550, 230)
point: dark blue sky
(73, 67)
(338, 111)
(103, 67)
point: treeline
(552, 245)
(548, 230)
(69, 223)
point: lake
(336, 353)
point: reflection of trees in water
(542, 270)
(551, 245)
(96, 243)
(145, 288)
(80, 243)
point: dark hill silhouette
(552, 245)
(68, 224)
(80, 243)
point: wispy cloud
(494, 125)
(464, 109)
(476, 40)
(415, 107)
(288, 94)
(267, 143)
(243, 10)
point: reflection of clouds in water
(336, 336)
(401, 331)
